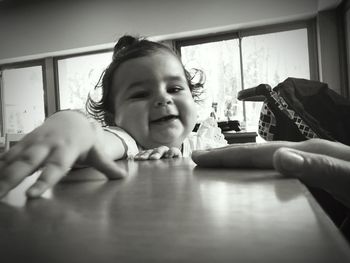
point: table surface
(170, 211)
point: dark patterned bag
(300, 109)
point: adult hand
(54, 147)
(316, 162)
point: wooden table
(170, 211)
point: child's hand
(64, 138)
(158, 153)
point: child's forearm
(112, 145)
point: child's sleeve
(130, 145)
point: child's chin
(169, 139)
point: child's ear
(109, 118)
(117, 119)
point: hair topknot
(125, 44)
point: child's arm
(65, 138)
(158, 153)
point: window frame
(56, 73)
(310, 25)
(18, 65)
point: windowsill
(240, 137)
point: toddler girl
(148, 109)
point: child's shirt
(207, 136)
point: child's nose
(162, 101)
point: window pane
(78, 76)
(267, 58)
(270, 59)
(220, 63)
(24, 99)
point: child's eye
(174, 89)
(139, 95)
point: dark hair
(129, 47)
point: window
(78, 76)
(270, 59)
(245, 60)
(221, 64)
(23, 97)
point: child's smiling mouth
(165, 119)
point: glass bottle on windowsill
(213, 113)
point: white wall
(347, 36)
(48, 27)
(330, 69)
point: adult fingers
(260, 155)
(317, 170)
(240, 155)
(330, 148)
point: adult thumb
(317, 170)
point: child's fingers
(27, 142)
(50, 175)
(13, 173)
(143, 155)
(56, 166)
(152, 154)
(12, 153)
(105, 165)
(158, 152)
(173, 153)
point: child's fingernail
(155, 155)
(35, 191)
(291, 162)
(138, 156)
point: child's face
(153, 102)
